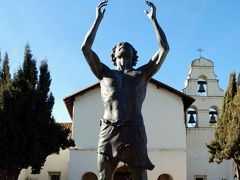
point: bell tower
(202, 116)
(202, 85)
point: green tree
(5, 76)
(226, 142)
(28, 131)
(0, 62)
(234, 131)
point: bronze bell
(191, 118)
(212, 118)
(201, 86)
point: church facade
(178, 125)
(163, 112)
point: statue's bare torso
(123, 94)
(122, 132)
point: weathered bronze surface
(122, 133)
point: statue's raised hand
(151, 15)
(100, 10)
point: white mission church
(177, 129)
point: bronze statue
(122, 133)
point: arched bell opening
(202, 86)
(213, 115)
(192, 120)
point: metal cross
(200, 50)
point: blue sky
(55, 30)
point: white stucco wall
(82, 161)
(168, 161)
(88, 110)
(163, 114)
(54, 163)
(172, 162)
(197, 156)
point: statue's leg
(138, 173)
(106, 167)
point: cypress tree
(28, 132)
(226, 142)
(5, 73)
(6, 124)
(233, 138)
(0, 65)
(238, 82)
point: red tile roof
(67, 125)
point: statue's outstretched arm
(156, 61)
(91, 57)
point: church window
(200, 177)
(54, 175)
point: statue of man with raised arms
(122, 133)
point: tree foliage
(28, 131)
(226, 142)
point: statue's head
(124, 49)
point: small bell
(191, 117)
(212, 118)
(201, 86)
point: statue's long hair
(134, 58)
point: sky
(56, 29)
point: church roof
(69, 100)
(202, 62)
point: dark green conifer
(0, 64)
(238, 82)
(28, 131)
(233, 138)
(226, 142)
(5, 73)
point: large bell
(212, 118)
(191, 117)
(201, 86)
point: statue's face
(124, 50)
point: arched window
(192, 120)
(202, 86)
(165, 177)
(89, 176)
(213, 115)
